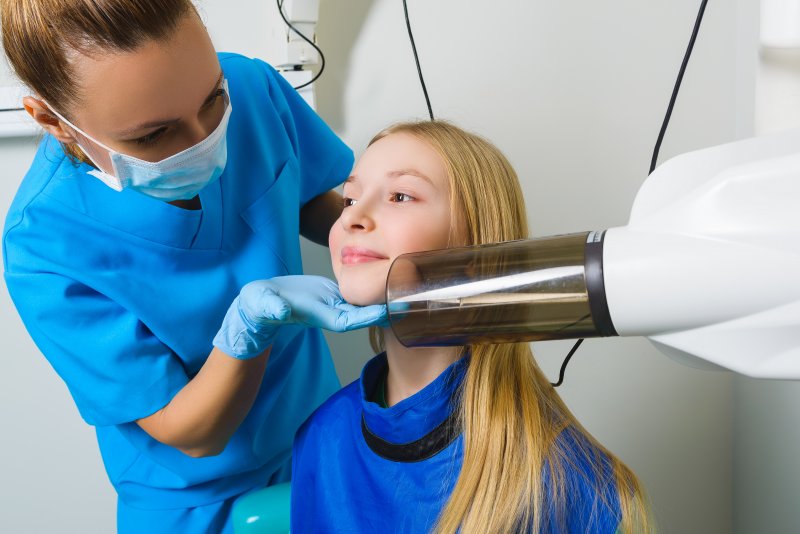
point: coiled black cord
(309, 41)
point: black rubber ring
(595, 284)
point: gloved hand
(262, 306)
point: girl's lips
(354, 255)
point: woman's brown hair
(42, 37)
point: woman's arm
(200, 420)
(318, 215)
(203, 416)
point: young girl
(466, 439)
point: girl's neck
(410, 370)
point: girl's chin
(359, 297)
(362, 287)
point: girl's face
(396, 201)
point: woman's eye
(216, 97)
(401, 197)
(347, 201)
(151, 138)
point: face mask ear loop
(87, 136)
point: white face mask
(178, 177)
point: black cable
(416, 59)
(677, 87)
(309, 41)
(564, 365)
(664, 125)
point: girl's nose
(357, 217)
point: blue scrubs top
(358, 467)
(123, 293)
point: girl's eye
(151, 138)
(401, 197)
(347, 201)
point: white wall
(51, 475)
(766, 468)
(767, 435)
(574, 93)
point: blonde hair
(517, 430)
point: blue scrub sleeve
(325, 161)
(115, 368)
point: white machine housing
(287, 50)
(708, 267)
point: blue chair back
(265, 511)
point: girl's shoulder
(587, 485)
(336, 413)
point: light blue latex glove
(263, 306)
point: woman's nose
(197, 131)
(204, 124)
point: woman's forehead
(158, 80)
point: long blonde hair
(517, 430)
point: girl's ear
(42, 114)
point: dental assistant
(152, 246)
